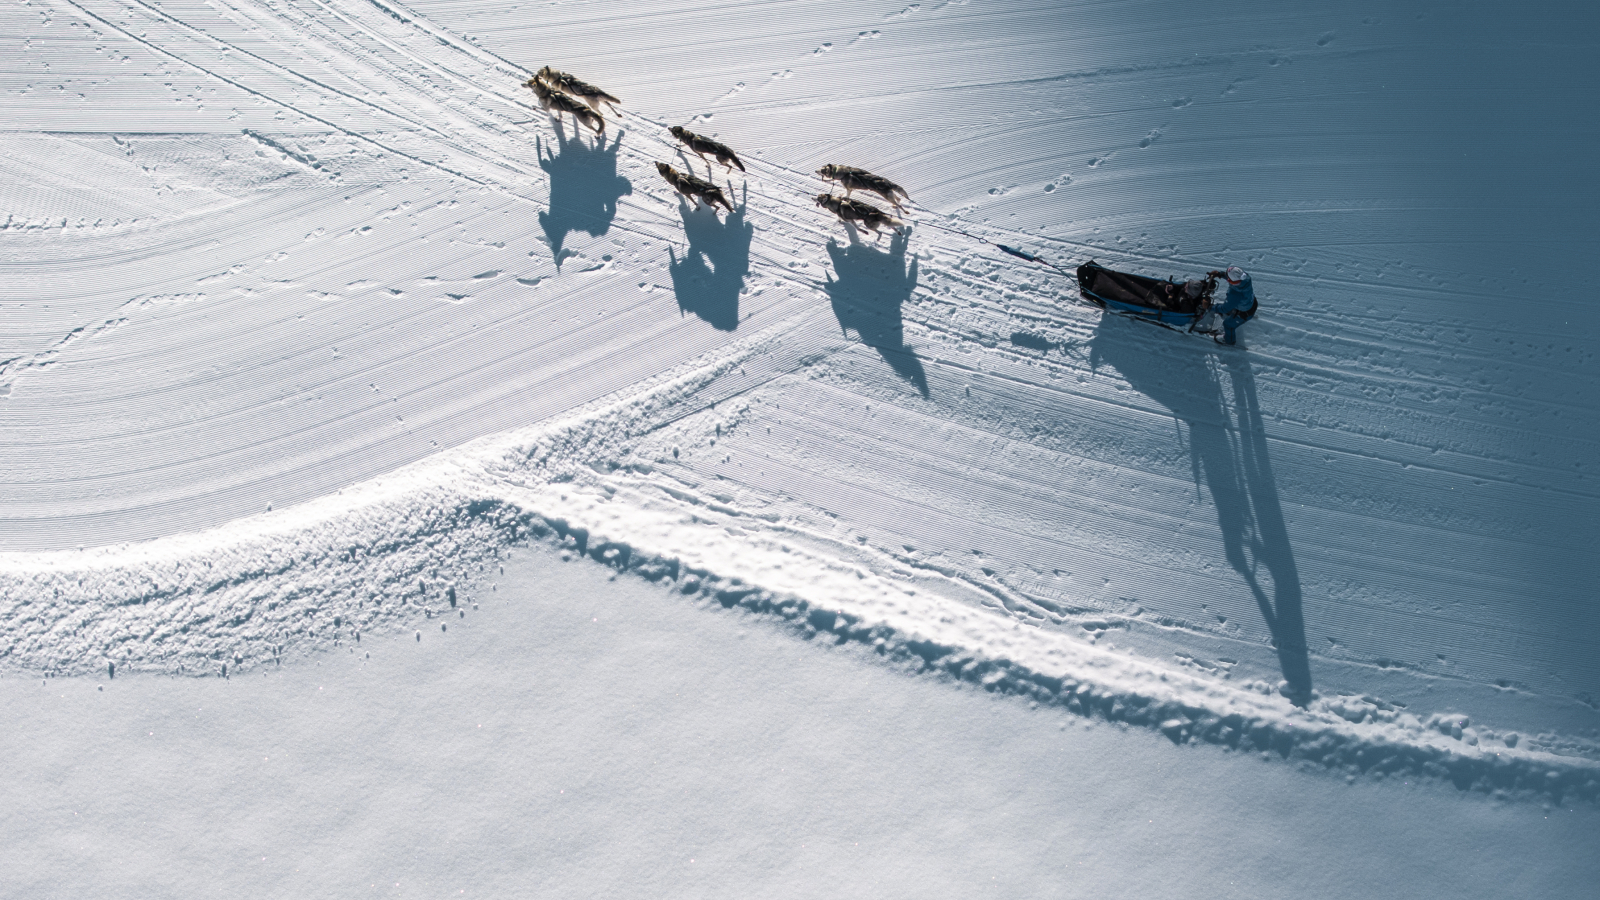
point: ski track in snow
(285, 256)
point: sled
(1175, 304)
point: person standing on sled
(1238, 306)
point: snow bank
(599, 485)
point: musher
(1239, 305)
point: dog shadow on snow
(871, 286)
(1213, 392)
(709, 278)
(584, 187)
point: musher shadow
(710, 277)
(1228, 447)
(584, 188)
(872, 285)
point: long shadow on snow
(710, 277)
(1313, 739)
(1228, 446)
(867, 296)
(584, 187)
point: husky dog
(693, 187)
(852, 179)
(577, 87)
(855, 211)
(558, 102)
(703, 145)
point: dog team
(560, 93)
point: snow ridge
(598, 484)
(253, 590)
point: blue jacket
(1240, 297)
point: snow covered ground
(310, 315)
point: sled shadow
(584, 187)
(872, 285)
(710, 277)
(1228, 448)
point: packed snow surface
(311, 312)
